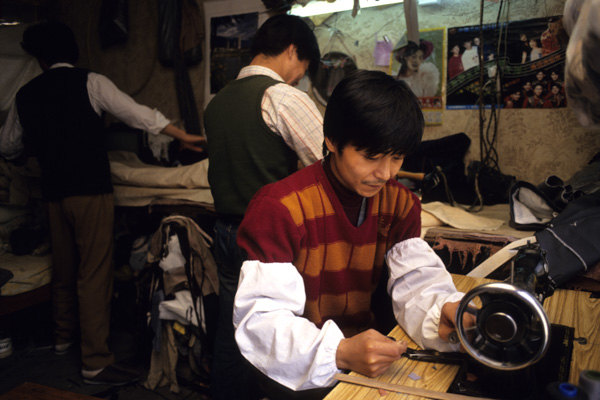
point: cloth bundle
(533, 207)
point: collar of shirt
(251, 70)
(60, 65)
(350, 200)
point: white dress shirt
(272, 334)
(291, 113)
(104, 96)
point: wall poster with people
(422, 66)
(230, 26)
(529, 55)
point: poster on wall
(230, 27)
(422, 66)
(530, 55)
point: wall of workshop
(532, 144)
(133, 66)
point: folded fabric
(459, 218)
(181, 309)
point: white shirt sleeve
(104, 95)
(419, 285)
(273, 336)
(11, 135)
(291, 113)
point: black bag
(442, 161)
(570, 243)
(491, 186)
(533, 207)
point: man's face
(296, 69)
(538, 90)
(361, 173)
(515, 96)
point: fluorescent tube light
(324, 7)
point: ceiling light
(325, 7)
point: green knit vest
(244, 153)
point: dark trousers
(81, 230)
(232, 376)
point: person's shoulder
(294, 183)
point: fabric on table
(459, 218)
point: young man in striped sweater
(322, 241)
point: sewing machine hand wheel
(511, 330)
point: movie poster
(423, 67)
(529, 55)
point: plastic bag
(582, 72)
(382, 52)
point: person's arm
(293, 115)
(11, 135)
(188, 141)
(423, 294)
(105, 95)
(273, 336)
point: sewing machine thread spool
(565, 391)
(589, 381)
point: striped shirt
(290, 113)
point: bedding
(30, 273)
(138, 184)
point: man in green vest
(258, 127)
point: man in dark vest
(57, 117)
(257, 128)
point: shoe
(6, 348)
(63, 348)
(112, 375)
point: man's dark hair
(280, 31)
(51, 42)
(374, 112)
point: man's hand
(187, 141)
(193, 142)
(447, 320)
(369, 353)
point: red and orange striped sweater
(301, 220)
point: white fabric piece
(288, 348)
(420, 285)
(529, 208)
(181, 309)
(174, 258)
(290, 113)
(159, 146)
(273, 336)
(459, 218)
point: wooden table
(33, 391)
(565, 307)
